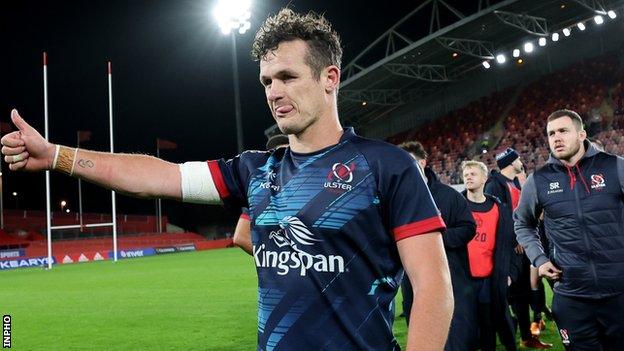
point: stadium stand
(592, 87)
(35, 244)
(23, 230)
(613, 141)
(16, 220)
(447, 138)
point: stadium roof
(399, 68)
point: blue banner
(26, 262)
(133, 253)
(12, 253)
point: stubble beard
(573, 151)
(297, 127)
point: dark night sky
(171, 80)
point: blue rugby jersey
(324, 232)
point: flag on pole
(163, 144)
(84, 135)
(5, 128)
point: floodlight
(233, 15)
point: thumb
(19, 121)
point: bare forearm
(134, 175)
(433, 307)
(426, 265)
(242, 235)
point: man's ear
(331, 78)
(583, 135)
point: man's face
(295, 97)
(563, 138)
(474, 178)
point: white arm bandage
(197, 184)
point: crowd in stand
(613, 141)
(593, 88)
(449, 137)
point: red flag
(84, 135)
(163, 144)
(5, 128)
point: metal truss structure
(477, 48)
(597, 6)
(530, 24)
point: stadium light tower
(234, 16)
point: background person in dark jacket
(460, 229)
(490, 258)
(581, 192)
(506, 186)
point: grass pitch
(203, 300)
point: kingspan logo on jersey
(340, 176)
(295, 235)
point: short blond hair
(477, 164)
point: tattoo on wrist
(85, 163)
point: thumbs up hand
(25, 149)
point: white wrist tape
(197, 184)
(56, 154)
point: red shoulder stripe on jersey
(421, 227)
(217, 178)
(245, 216)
